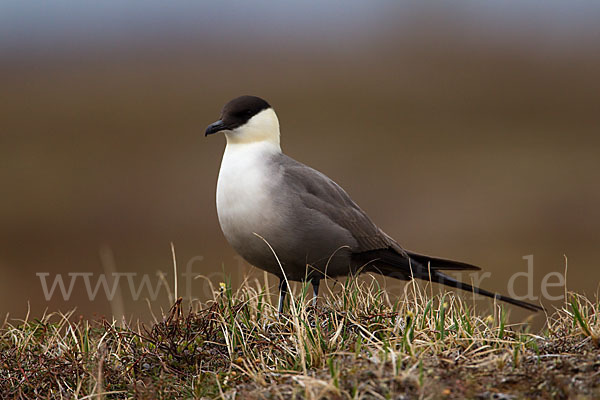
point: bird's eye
(244, 113)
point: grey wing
(320, 193)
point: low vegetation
(356, 344)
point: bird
(294, 222)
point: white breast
(243, 190)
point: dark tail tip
(520, 303)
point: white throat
(261, 128)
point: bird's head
(247, 119)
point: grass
(356, 344)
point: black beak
(215, 127)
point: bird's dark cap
(237, 112)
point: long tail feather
(444, 279)
(393, 264)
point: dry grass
(356, 344)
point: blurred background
(469, 130)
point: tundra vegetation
(357, 343)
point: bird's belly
(244, 222)
(247, 215)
